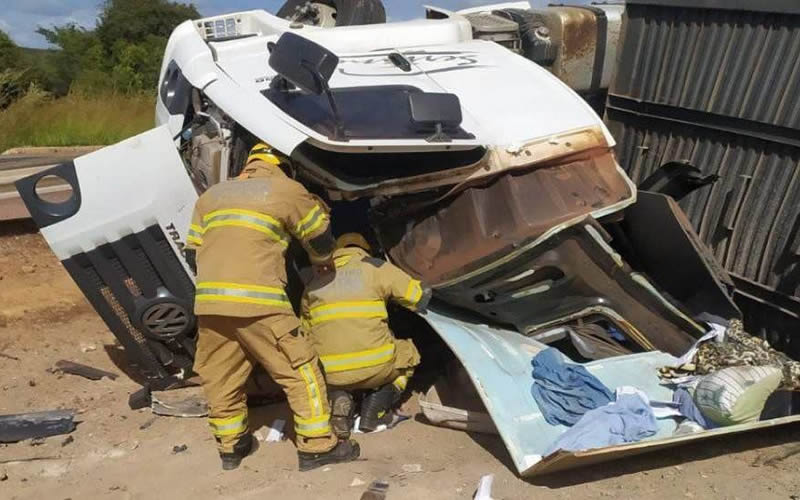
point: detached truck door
(121, 237)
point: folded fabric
(627, 420)
(689, 409)
(565, 391)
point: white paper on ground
(275, 433)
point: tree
(81, 52)
(135, 20)
(10, 54)
(123, 53)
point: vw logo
(166, 319)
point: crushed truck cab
(477, 171)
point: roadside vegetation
(39, 119)
(97, 86)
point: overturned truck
(473, 167)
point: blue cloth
(689, 409)
(565, 391)
(629, 419)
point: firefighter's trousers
(227, 347)
(396, 372)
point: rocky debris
(147, 424)
(88, 347)
(412, 468)
(179, 449)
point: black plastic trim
(143, 261)
(46, 213)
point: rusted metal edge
(562, 460)
(498, 159)
(597, 214)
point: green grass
(74, 120)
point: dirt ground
(119, 453)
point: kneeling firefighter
(345, 314)
(240, 231)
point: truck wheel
(536, 43)
(330, 13)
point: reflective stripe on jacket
(241, 230)
(346, 317)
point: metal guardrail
(17, 165)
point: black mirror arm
(339, 133)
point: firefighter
(345, 314)
(240, 231)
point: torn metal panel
(498, 362)
(572, 275)
(483, 223)
(669, 251)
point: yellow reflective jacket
(345, 314)
(241, 230)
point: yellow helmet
(353, 240)
(264, 152)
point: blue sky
(19, 18)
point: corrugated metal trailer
(716, 84)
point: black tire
(348, 12)
(535, 48)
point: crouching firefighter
(345, 313)
(240, 231)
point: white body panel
(124, 189)
(506, 99)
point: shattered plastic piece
(484, 491)
(140, 399)
(357, 482)
(376, 490)
(84, 371)
(188, 402)
(412, 468)
(24, 426)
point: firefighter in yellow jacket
(345, 313)
(240, 231)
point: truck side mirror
(307, 65)
(435, 111)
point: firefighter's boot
(344, 451)
(376, 405)
(241, 449)
(342, 409)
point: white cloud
(21, 24)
